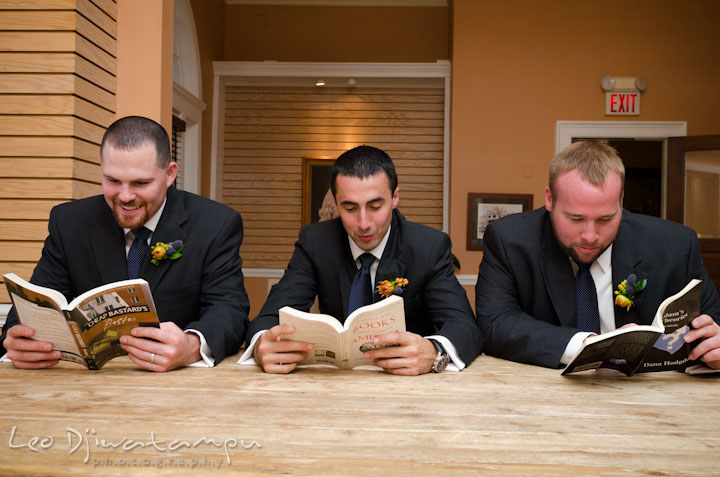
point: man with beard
(200, 297)
(583, 242)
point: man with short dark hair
(371, 234)
(200, 297)
(547, 276)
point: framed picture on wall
(316, 204)
(483, 208)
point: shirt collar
(152, 223)
(376, 252)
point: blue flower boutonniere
(392, 287)
(165, 251)
(627, 289)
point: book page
(49, 324)
(364, 324)
(670, 350)
(316, 330)
(34, 293)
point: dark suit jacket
(322, 265)
(525, 293)
(202, 290)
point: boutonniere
(627, 289)
(166, 251)
(392, 287)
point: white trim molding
(467, 279)
(189, 108)
(565, 131)
(263, 272)
(270, 72)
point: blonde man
(527, 302)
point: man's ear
(548, 199)
(396, 197)
(171, 173)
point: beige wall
(521, 65)
(307, 33)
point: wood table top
(494, 418)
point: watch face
(441, 362)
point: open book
(87, 330)
(646, 348)
(345, 345)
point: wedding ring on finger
(152, 357)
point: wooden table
(494, 418)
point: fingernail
(376, 340)
(367, 355)
(310, 347)
(47, 347)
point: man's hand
(275, 355)
(707, 350)
(413, 354)
(28, 353)
(168, 348)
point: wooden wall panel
(268, 130)
(57, 95)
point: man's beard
(572, 253)
(134, 222)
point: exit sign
(625, 103)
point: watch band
(441, 359)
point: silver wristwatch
(441, 359)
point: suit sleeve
(224, 304)
(510, 332)
(448, 305)
(709, 301)
(51, 270)
(297, 288)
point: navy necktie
(361, 289)
(138, 251)
(588, 316)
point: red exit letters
(622, 103)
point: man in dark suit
(526, 289)
(200, 297)
(329, 255)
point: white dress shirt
(601, 271)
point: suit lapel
(169, 228)
(626, 259)
(558, 277)
(108, 244)
(345, 271)
(390, 267)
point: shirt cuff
(5, 359)
(247, 357)
(574, 346)
(207, 359)
(456, 364)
